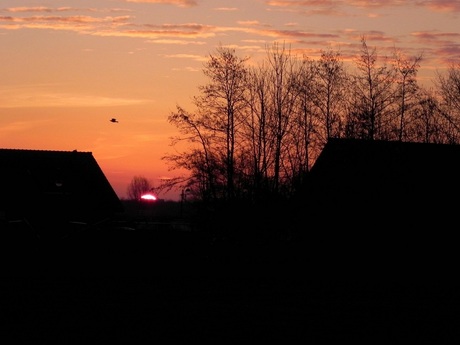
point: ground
(183, 286)
(226, 304)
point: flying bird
(114, 120)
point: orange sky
(68, 66)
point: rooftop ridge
(43, 150)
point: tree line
(257, 129)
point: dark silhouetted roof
(385, 208)
(377, 175)
(48, 186)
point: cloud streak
(34, 97)
(178, 3)
(324, 5)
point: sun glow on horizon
(149, 197)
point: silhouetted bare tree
(198, 157)
(257, 160)
(427, 123)
(138, 186)
(448, 84)
(221, 101)
(257, 130)
(283, 92)
(372, 94)
(213, 129)
(406, 95)
(449, 87)
(329, 96)
(301, 137)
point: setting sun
(149, 197)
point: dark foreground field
(178, 285)
(174, 302)
(224, 311)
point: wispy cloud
(96, 22)
(186, 56)
(108, 26)
(44, 9)
(179, 3)
(41, 9)
(187, 30)
(444, 46)
(40, 98)
(81, 24)
(275, 33)
(441, 5)
(176, 42)
(433, 36)
(315, 7)
(333, 6)
(248, 22)
(226, 9)
(20, 126)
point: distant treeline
(258, 128)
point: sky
(68, 66)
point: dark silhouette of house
(386, 199)
(48, 192)
(387, 178)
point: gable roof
(45, 186)
(372, 173)
(383, 207)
